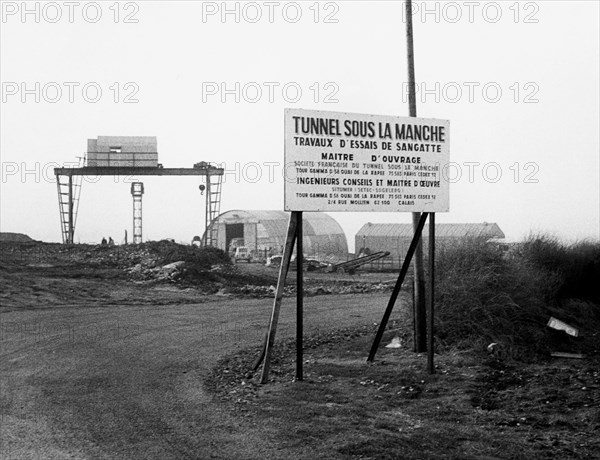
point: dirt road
(125, 381)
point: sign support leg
(396, 291)
(299, 296)
(431, 303)
(283, 271)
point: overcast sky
(519, 82)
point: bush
(485, 295)
(577, 265)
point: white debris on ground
(395, 343)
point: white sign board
(351, 162)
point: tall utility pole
(420, 333)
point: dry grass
(485, 295)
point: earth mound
(9, 237)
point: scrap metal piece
(562, 326)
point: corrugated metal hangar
(396, 238)
(323, 237)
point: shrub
(485, 295)
(577, 265)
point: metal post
(299, 297)
(71, 228)
(207, 209)
(283, 271)
(420, 333)
(410, 54)
(431, 303)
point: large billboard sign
(352, 162)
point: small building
(265, 232)
(122, 151)
(396, 238)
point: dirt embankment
(8, 237)
(38, 275)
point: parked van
(242, 253)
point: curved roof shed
(323, 237)
(396, 238)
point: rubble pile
(208, 269)
(149, 271)
(154, 260)
(82, 254)
(309, 291)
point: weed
(485, 295)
